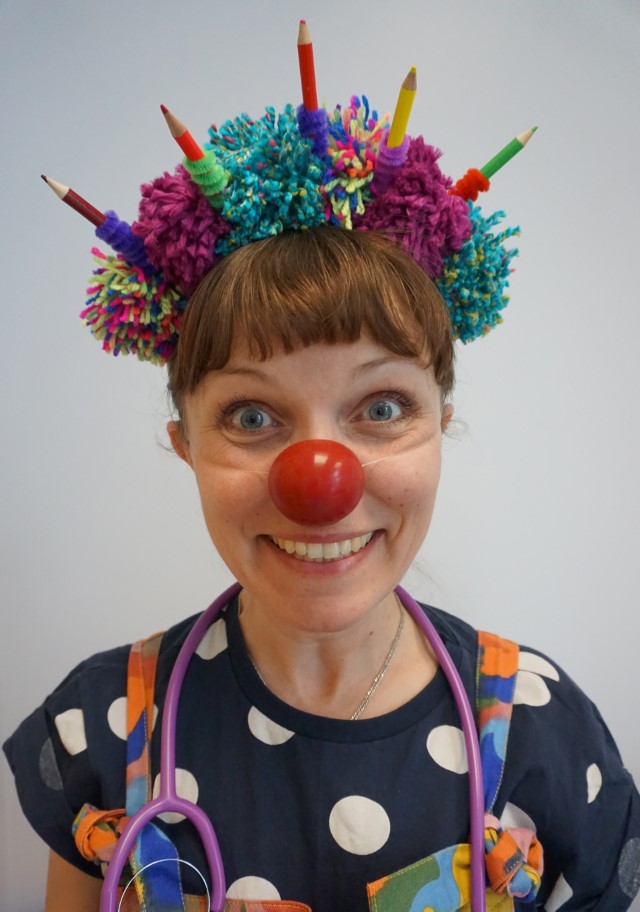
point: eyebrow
(243, 371)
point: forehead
(314, 368)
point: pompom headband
(290, 171)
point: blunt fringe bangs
(295, 289)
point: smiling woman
(305, 278)
(327, 712)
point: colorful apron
(439, 883)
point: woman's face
(385, 408)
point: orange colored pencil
(192, 150)
(77, 202)
(307, 68)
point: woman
(315, 727)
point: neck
(363, 669)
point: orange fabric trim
(96, 832)
(499, 656)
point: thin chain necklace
(362, 705)
(378, 678)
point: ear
(179, 441)
(447, 415)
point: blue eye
(251, 419)
(383, 410)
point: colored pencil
(403, 110)
(193, 151)
(77, 202)
(504, 155)
(307, 68)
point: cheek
(408, 482)
(232, 501)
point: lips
(321, 552)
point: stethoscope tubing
(168, 800)
(472, 745)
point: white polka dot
(528, 661)
(214, 641)
(629, 868)
(594, 782)
(186, 787)
(70, 725)
(446, 746)
(531, 690)
(513, 816)
(48, 765)
(255, 888)
(560, 894)
(265, 730)
(359, 825)
(117, 717)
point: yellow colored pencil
(403, 110)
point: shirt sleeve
(564, 777)
(59, 757)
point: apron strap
(514, 856)
(158, 887)
(496, 672)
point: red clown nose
(316, 482)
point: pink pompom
(418, 211)
(179, 228)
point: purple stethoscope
(342, 485)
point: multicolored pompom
(355, 134)
(132, 313)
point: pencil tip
(164, 108)
(44, 178)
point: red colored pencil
(77, 202)
(307, 68)
(192, 150)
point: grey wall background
(536, 532)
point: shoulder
(71, 749)
(557, 732)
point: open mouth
(320, 552)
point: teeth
(319, 552)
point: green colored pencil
(506, 154)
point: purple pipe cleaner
(120, 237)
(179, 228)
(388, 164)
(314, 125)
(418, 212)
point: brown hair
(319, 285)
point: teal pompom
(275, 180)
(473, 281)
